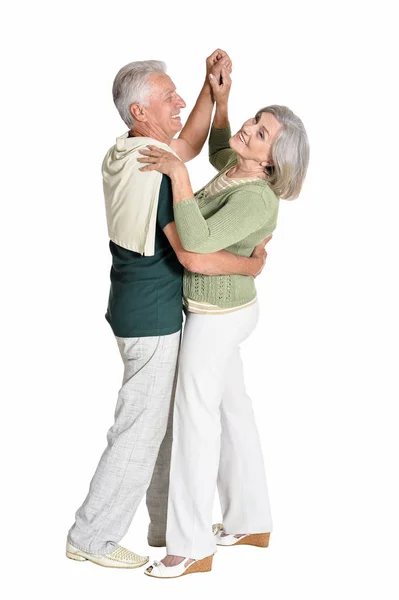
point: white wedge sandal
(158, 569)
(249, 539)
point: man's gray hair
(290, 153)
(131, 86)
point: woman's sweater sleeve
(243, 214)
(220, 153)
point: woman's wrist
(179, 175)
(221, 118)
(181, 185)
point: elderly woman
(215, 439)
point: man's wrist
(206, 88)
(254, 265)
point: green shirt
(146, 291)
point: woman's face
(255, 138)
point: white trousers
(215, 439)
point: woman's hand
(167, 163)
(161, 160)
(220, 81)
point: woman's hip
(207, 337)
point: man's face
(164, 105)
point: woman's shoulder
(259, 190)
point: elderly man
(145, 309)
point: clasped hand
(218, 69)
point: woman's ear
(266, 163)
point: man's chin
(175, 129)
(177, 124)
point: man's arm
(194, 133)
(217, 263)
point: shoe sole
(261, 540)
(78, 557)
(200, 566)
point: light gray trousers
(137, 457)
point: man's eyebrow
(267, 131)
(170, 91)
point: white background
(322, 365)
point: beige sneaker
(120, 558)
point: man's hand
(259, 256)
(218, 57)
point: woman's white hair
(131, 86)
(290, 153)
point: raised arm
(194, 133)
(220, 153)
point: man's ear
(138, 112)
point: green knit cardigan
(236, 219)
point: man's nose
(180, 102)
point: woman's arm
(220, 153)
(194, 133)
(221, 118)
(244, 213)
